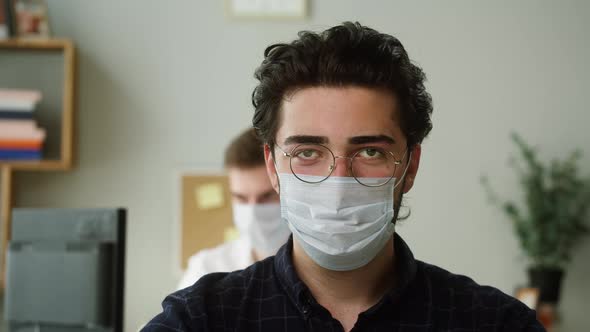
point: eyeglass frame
(333, 165)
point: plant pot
(548, 281)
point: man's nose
(341, 167)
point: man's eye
(371, 153)
(307, 154)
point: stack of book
(20, 137)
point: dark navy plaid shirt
(269, 296)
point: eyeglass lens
(366, 164)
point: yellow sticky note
(209, 196)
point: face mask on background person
(262, 226)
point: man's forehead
(338, 114)
(341, 97)
(246, 173)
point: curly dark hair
(346, 55)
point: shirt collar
(299, 294)
(295, 289)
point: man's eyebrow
(234, 194)
(371, 139)
(268, 193)
(306, 139)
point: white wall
(165, 84)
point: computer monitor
(65, 270)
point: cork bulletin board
(206, 214)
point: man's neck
(347, 292)
(257, 255)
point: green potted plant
(553, 217)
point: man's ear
(271, 170)
(412, 168)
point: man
(256, 214)
(342, 114)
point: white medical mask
(262, 226)
(340, 224)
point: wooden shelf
(68, 99)
(37, 44)
(41, 165)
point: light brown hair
(245, 151)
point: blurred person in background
(256, 214)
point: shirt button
(305, 310)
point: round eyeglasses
(370, 166)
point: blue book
(15, 115)
(12, 154)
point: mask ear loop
(405, 170)
(274, 162)
(394, 220)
